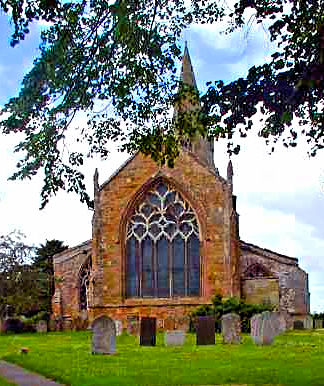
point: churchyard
(294, 358)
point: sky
(280, 196)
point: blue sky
(280, 196)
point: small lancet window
(162, 246)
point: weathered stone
(278, 322)
(205, 330)
(264, 328)
(148, 331)
(308, 322)
(103, 336)
(174, 338)
(231, 328)
(318, 323)
(119, 327)
(41, 326)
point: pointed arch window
(256, 270)
(162, 246)
(84, 279)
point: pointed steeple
(188, 107)
(230, 174)
(187, 75)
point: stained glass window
(84, 278)
(162, 246)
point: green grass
(4, 382)
(296, 358)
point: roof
(254, 248)
(73, 251)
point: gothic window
(84, 278)
(162, 246)
(255, 271)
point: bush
(221, 307)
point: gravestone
(205, 330)
(52, 325)
(278, 322)
(298, 325)
(133, 325)
(103, 336)
(148, 331)
(174, 338)
(308, 322)
(41, 326)
(169, 323)
(183, 323)
(67, 324)
(119, 327)
(231, 328)
(263, 328)
(318, 323)
(282, 322)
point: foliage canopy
(117, 61)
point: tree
(26, 275)
(19, 289)
(124, 55)
(43, 262)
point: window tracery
(162, 251)
(84, 280)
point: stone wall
(261, 291)
(208, 195)
(67, 265)
(293, 281)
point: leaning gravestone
(205, 330)
(103, 336)
(41, 326)
(231, 328)
(174, 338)
(148, 331)
(119, 327)
(318, 323)
(263, 328)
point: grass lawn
(4, 382)
(296, 358)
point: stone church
(165, 240)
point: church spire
(187, 107)
(187, 74)
(230, 174)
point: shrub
(220, 307)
